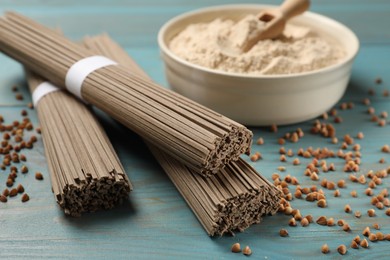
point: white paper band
(42, 90)
(79, 71)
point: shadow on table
(124, 211)
(256, 236)
(356, 89)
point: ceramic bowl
(259, 100)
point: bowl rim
(165, 49)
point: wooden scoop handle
(291, 8)
(276, 21)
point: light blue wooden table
(158, 223)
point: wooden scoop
(275, 21)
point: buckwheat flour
(216, 45)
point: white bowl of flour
(291, 79)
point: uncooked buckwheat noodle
(200, 138)
(85, 172)
(233, 199)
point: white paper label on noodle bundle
(79, 71)
(42, 90)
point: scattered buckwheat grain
(247, 251)
(325, 249)
(236, 248)
(283, 233)
(342, 249)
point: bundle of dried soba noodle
(85, 172)
(202, 139)
(233, 199)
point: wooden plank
(158, 223)
(137, 23)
